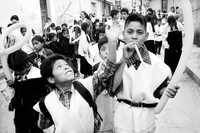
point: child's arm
(106, 71)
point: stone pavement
(182, 114)
(193, 65)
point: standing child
(68, 108)
(26, 93)
(158, 36)
(144, 79)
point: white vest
(78, 119)
(138, 86)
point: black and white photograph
(99, 66)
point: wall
(155, 4)
(196, 16)
(27, 10)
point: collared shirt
(134, 59)
(99, 82)
(79, 111)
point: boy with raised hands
(67, 107)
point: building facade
(35, 12)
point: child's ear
(51, 80)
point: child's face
(66, 34)
(124, 15)
(103, 52)
(62, 72)
(135, 33)
(37, 45)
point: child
(105, 103)
(103, 51)
(158, 36)
(26, 92)
(68, 109)
(143, 79)
(40, 52)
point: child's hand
(171, 92)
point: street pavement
(182, 114)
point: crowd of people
(95, 75)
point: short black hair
(58, 28)
(124, 10)
(14, 17)
(38, 38)
(46, 67)
(137, 18)
(64, 24)
(17, 61)
(22, 28)
(114, 12)
(86, 15)
(51, 36)
(84, 26)
(102, 41)
(52, 25)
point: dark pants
(86, 68)
(150, 46)
(158, 45)
(172, 58)
(25, 121)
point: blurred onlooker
(149, 43)
(179, 14)
(92, 17)
(173, 33)
(40, 52)
(58, 29)
(85, 18)
(172, 11)
(158, 36)
(53, 28)
(14, 19)
(124, 13)
(23, 31)
(115, 15)
(64, 26)
(48, 23)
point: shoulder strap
(87, 96)
(44, 110)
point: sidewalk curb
(192, 75)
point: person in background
(85, 18)
(28, 48)
(158, 36)
(40, 52)
(124, 14)
(48, 23)
(14, 19)
(149, 43)
(25, 118)
(64, 26)
(172, 11)
(115, 17)
(83, 51)
(173, 34)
